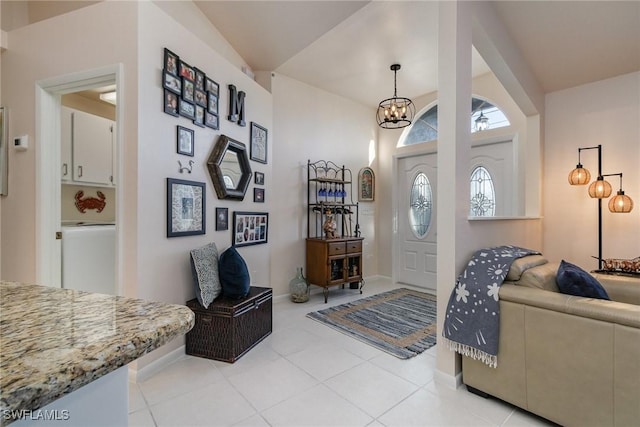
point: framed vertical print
(366, 185)
(258, 143)
(170, 103)
(185, 141)
(171, 61)
(211, 86)
(186, 206)
(250, 228)
(211, 120)
(258, 195)
(258, 178)
(212, 103)
(199, 78)
(188, 90)
(222, 219)
(199, 119)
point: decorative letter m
(236, 106)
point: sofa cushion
(234, 274)
(573, 280)
(521, 265)
(204, 269)
(542, 277)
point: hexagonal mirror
(229, 168)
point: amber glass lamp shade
(579, 176)
(620, 203)
(600, 189)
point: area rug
(401, 322)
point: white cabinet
(65, 139)
(88, 154)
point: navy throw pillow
(234, 275)
(572, 280)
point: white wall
(606, 112)
(316, 125)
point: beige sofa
(572, 360)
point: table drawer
(337, 248)
(353, 247)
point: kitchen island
(55, 341)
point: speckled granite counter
(54, 341)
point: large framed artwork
(186, 206)
(366, 185)
(258, 143)
(250, 228)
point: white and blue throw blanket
(472, 322)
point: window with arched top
(425, 127)
(483, 195)
(420, 205)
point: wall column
(454, 142)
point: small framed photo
(188, 89)
(258, 143)
(171, 61)
(366, 185)
(187, 71)
(211, 86)
(185, 141)
(211, 120)
(222, 219)
(187, 109)
(172, 83)
(170, 103)
(250, 228)
(201, 97)
(199, 119)
(212, 103)
(258, 195)
(258, 178)
(199, 78)
(185, 207)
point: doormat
(401, 322)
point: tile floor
(307, 374)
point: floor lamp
(600, 189)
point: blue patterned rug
(401, 322)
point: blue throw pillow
(572, 280)
(234, 275)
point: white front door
(417, 249)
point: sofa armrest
(620, 288)
(607, 311)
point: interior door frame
(48, 151)
(403, 153)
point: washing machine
(89, 257)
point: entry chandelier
(600, 189)
(396, 112)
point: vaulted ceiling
(346, 47)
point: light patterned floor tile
(324, 361)
(141, 418)
(419, 369)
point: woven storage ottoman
(230, 327)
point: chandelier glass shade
(396, 112)
(482, 122)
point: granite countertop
(54, 341)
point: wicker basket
(230, 327)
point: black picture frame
(171, 103)
(187, 71)
(222, 219)
(171, 62)
(211, 120)
(186, 208)
(212, 86)
(258, 144)
(199, 118)
(258, 195)
(185, 141)
(250, 228)
(201, 97)
(188, 89)
(187, 109)
(200, 76)
(171, 82)
(258, 178)
(212, 103)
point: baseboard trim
(450, 381)
(146, 372)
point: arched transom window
(483, 195)
(425, 127)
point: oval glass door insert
(420, 205)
